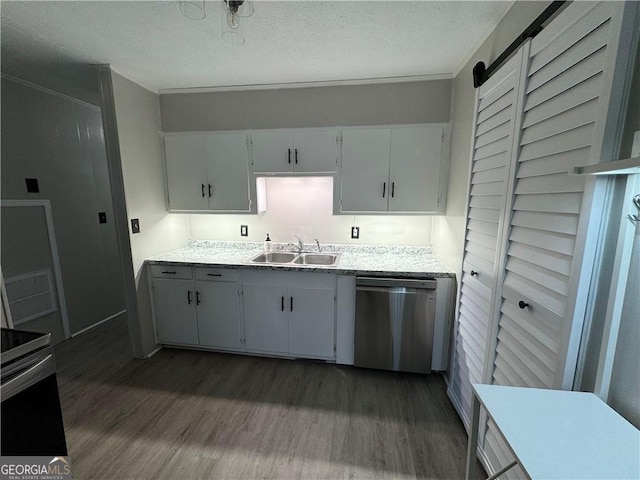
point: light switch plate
(135, 225)
(355, 232)
(244, 230)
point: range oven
(30, 405)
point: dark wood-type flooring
(189, 415)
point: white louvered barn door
(568, 85)
(496, 117)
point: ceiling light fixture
(234, 10)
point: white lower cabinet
(290, 313)
(219, 323)
(283, 313)
(202, 310)
(311, 322)
(175, 311)
(265, 318)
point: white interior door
(545, 272)
(497, 105)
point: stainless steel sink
(274, 257)
(323, 259)
(316, 259)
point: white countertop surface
(559, 434)
(354, 260)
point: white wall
(137, 114)
(378, 104)
(448, 230)
(304, 206)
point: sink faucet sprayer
(300, 244)
(318, 244)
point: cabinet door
(416, 154)
(272, 151)
(219, 314)
(227, 159)
(315, 151)
(175, 311)
(186, 172)
(365, 169)
(265, 318)
(311, 322)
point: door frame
(53, 247)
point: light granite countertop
(417, 262)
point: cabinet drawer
(171, 271)
(217, 274)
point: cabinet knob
(473, 273)
(522, 304)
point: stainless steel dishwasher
(394, 323)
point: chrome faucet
(300, 244)
(318, 244)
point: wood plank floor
(190, 415)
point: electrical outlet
(355, 232)
(135, 225)
(102, 217)
(244, 230)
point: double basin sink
(283, 258)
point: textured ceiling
(286, 42)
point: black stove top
(17, 343)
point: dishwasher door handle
(388, 283)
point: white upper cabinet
(300, 150)
(416, 157)
(208, 172)
(396, 169)
(186, 172)
(227, 161)
(365, 169)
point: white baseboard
(154, 352)
(98, 323)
